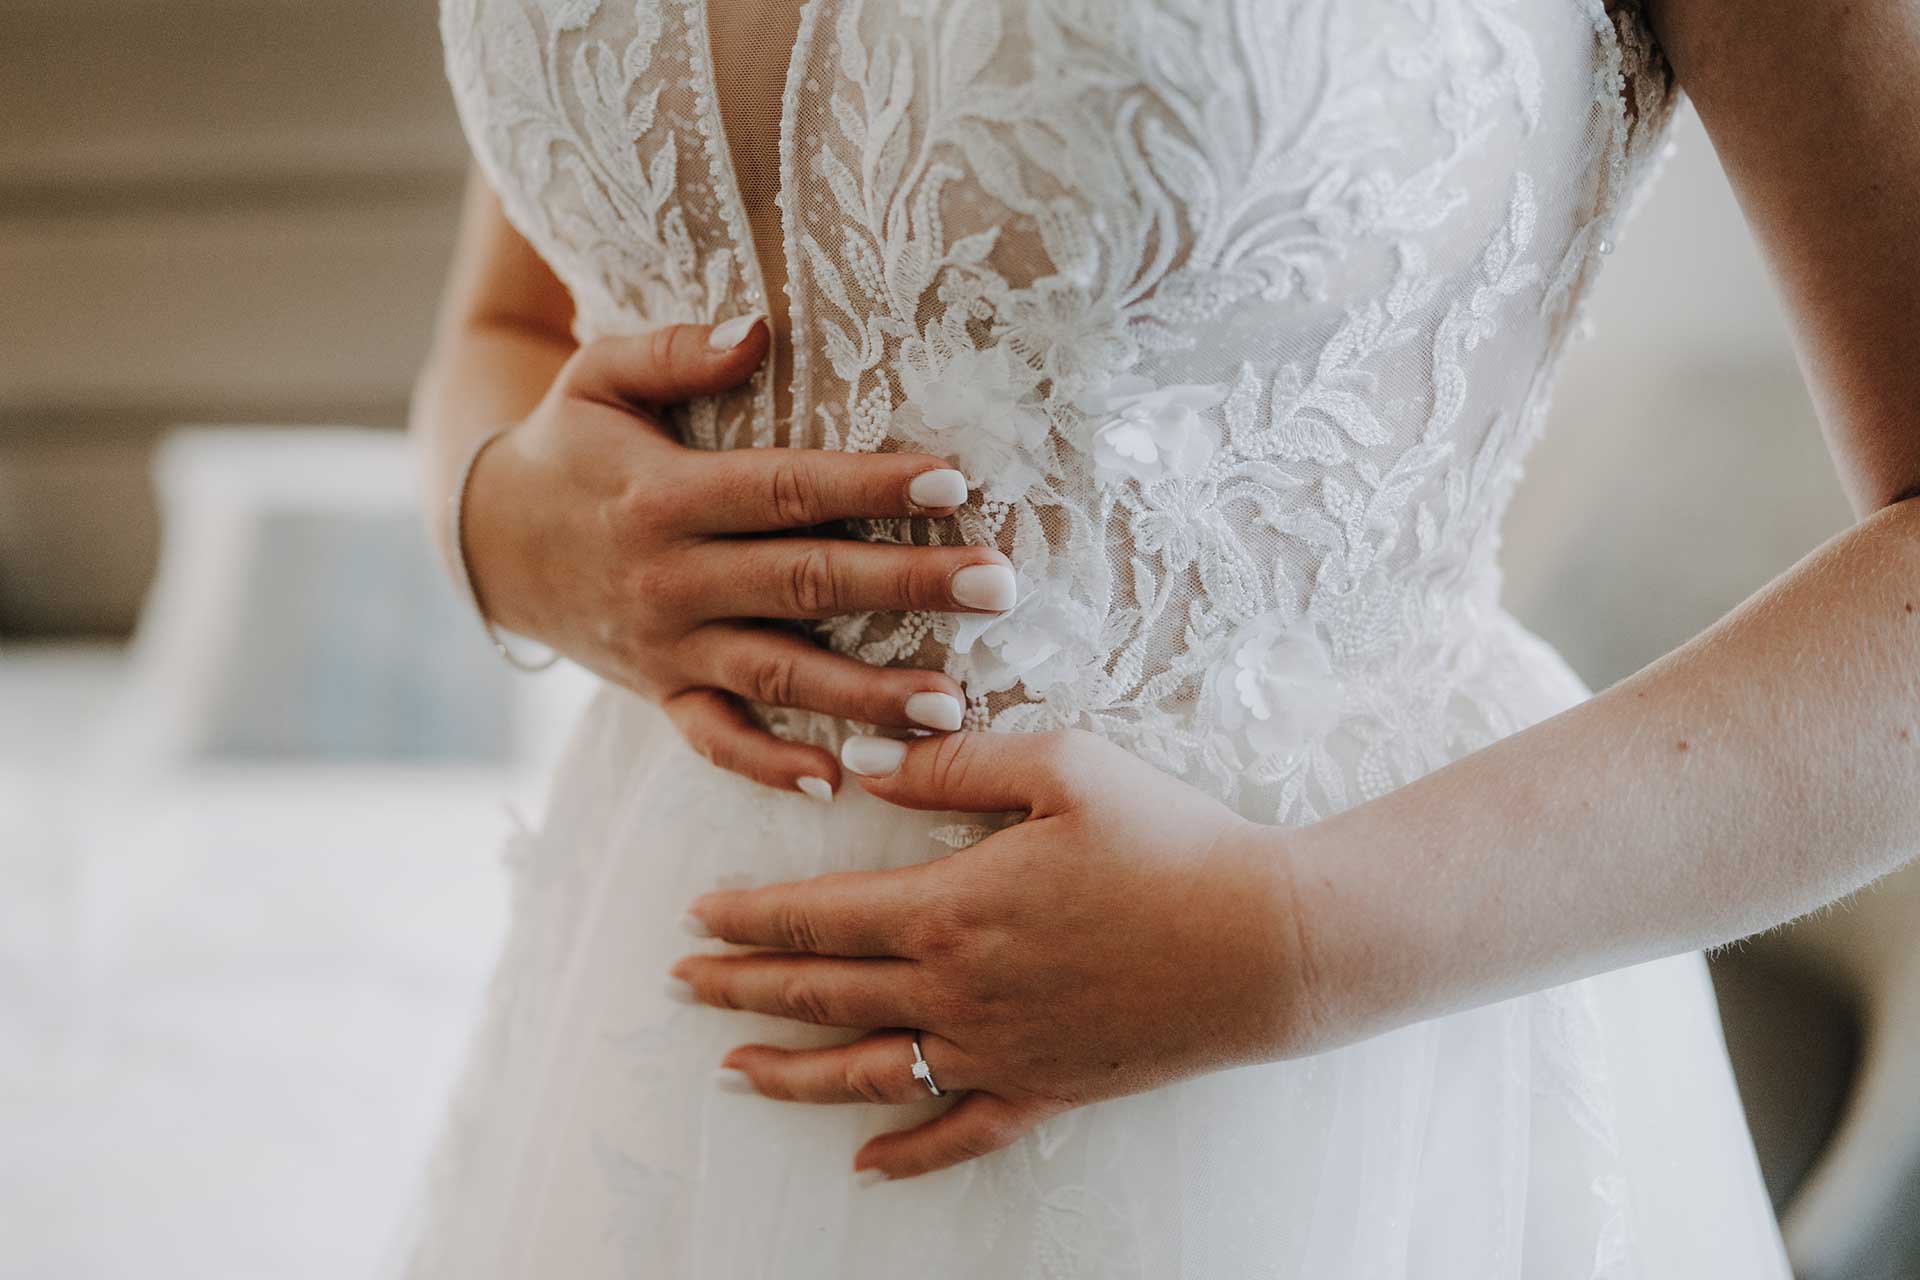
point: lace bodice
(1239, 315)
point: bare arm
(1814, 111)
(1769, 766)
(505, 330)
(1773, 763)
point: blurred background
(256, 762)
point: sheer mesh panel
(753, 41)
(1238, 314)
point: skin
(1767, 767)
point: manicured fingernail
(869, 1177)
(680, 992)
(732, 1080)
(694, 925)
(984, 586)
(937, 489)
(931, 710)
(816, 789)
(727, 336)
(872, 757)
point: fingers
(672, 363)
(973, 772)
(779, 669)
(979, 1124)
(761, 490)
(846, 913)
(718, 727)
(756, 490)
(828, 992)
(801, 577)
(877, 1068)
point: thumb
(672, 363)
(968, 772)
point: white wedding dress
(1240, 314)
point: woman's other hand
(1129, 932)
(589, 528)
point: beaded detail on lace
(1239, 315)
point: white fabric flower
(1276, 686)
(1145, 432)
(1072, 339)
(1039, 643)
(970, 406)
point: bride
(927, 414)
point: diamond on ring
(922, 1070)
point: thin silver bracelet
(456, 543)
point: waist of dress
(1385, 651)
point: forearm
(504, 331)
(1767, 767)
(484, 374)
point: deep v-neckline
(784, 387)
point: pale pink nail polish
(989, 587)
(937, 489)
(933, 710)
(732, 1080)
(873, 757)
(730, 334)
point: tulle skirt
(1588, 1131)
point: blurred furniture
(210, 210)
(1857, 1217)
(299, 612)
(250, 877)
(233, 996)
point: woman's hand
(1130, 932)
(588, 527)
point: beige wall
(210, 210)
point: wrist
(1297, 987)
(470, 539)
(1349, 966)
(1267, 920)
(1384, 946)
(483, 559)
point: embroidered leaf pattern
(1240, 315)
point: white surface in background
(231, 1000)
